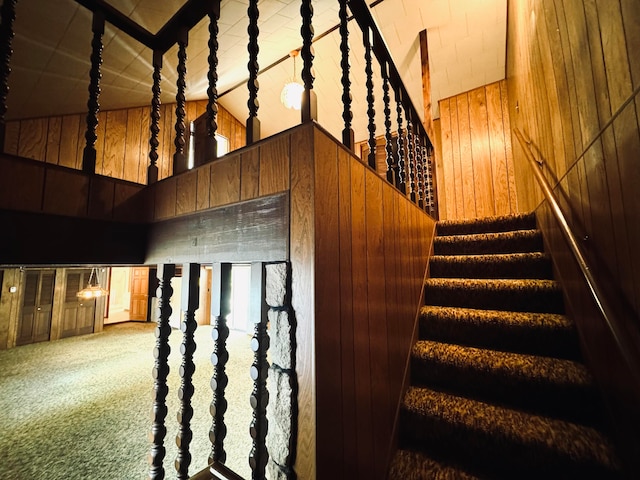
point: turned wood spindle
(309, 110)
(347, 115)
(180, 163)
(190, 303)
(253, 123)
(402, 172)
(371, 112)
(93, 104)
(411, 158)
(220, 309)
(211, 144)
(154, 127)
(161, 371)
(387, 121)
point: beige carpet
(79, 408)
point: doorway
(37, 306)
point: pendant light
(93, 288)
(291, 96)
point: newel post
(253, 123)
(93, 105)
(211, 144)
(8, 13)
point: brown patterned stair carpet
(498, 389)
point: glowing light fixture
(291, 96)
(93, 288)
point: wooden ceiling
(52, 47)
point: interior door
(78, 314)
(37, 306)
(139, 293)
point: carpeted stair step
(534, 333)
(519, 241)
(515, 265)
(410, 464)
(502, 442)
(551, 386)
(504, 223)
(495, 294)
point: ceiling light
(291, 96)
(92, 290)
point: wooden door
(78, 315)
(35, 321)
(139, 293)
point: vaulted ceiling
(52, 47)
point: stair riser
(471, 246)
(523, 300)
(492, 455)
(575, 403)
(562, 344)
(540, 269)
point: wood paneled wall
(367, 248)
(477, 176)
(123, 139)
(571, 65)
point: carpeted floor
(79, 408)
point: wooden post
(211, 144)
(402, 173)
(152, 171)
(180, 163)
(220, 309)
(259, 396)
(161, 371)
(8, 13)
(253, 124)
(93, 105)
(411, 158)
(387, 121)
(309, 110)
(190, 303)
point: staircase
(497, 388)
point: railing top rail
(628, 351)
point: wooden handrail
(629, 353)
(215, 471)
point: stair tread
(551, 321)
(524, 367)
(496, 283)
(487, 236)
(417, 465)
(491, 257)
(577, 442)
(490, 242)
(494, 223)
(492, 265)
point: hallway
(79, 408)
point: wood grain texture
(327, 265)
(250, 173)
(33, 139)
(478, 172)
(302, 237)
(202, 187)
(133, 144)
(225, 181)
(186, 190)
(21, 184)
(570, 66)
(114, 143)
(75, 187)
(274, 165)
(69, 141)
(53, 140)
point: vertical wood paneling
(585, 52)
(203, 186)
(69, 140)
(479, 175)
(145, 136)
(327, 265)
(186, 192)
(361, 321)
(115, 143)
(53, 139)
(100, 142)
(225, 181)
(274, 166)
(302, 296)
(250, 174)
(33, 139)
(133, 144)
(12, 137)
